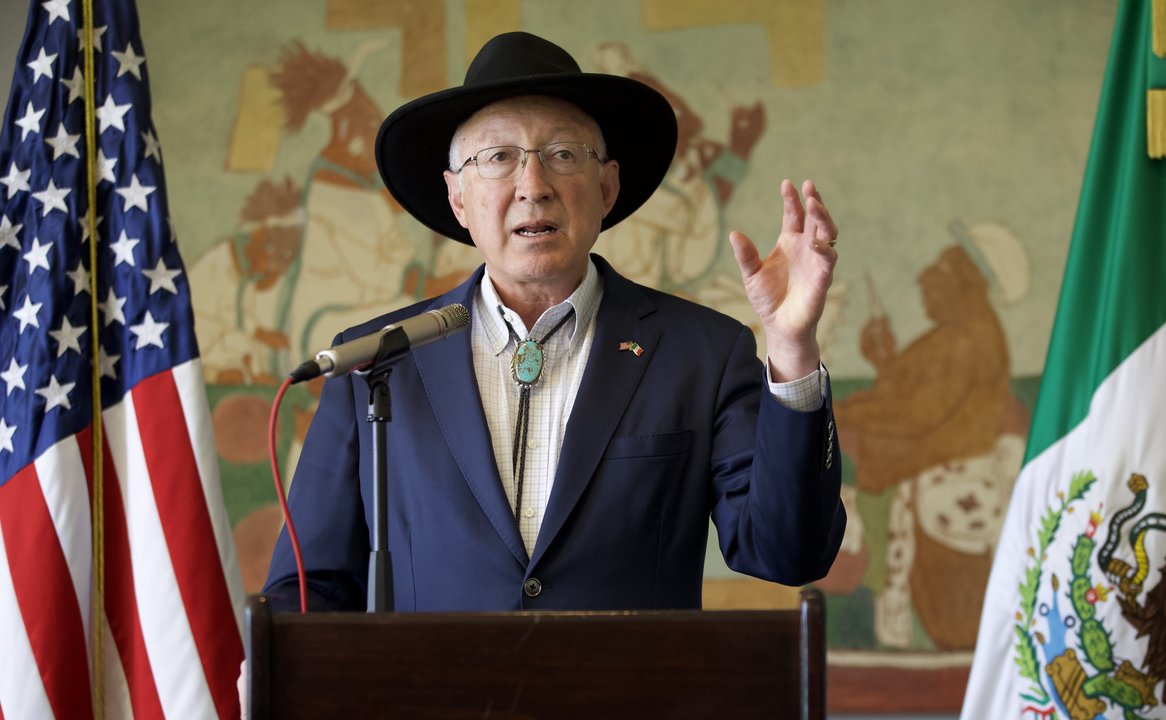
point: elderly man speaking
(568, 451)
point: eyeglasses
(505, 161)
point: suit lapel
(608, 384)
(452, 388)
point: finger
(793, 217)
(816, 222)
(745, 253)
(820, 213)
(819, 221)
(810, 190)
(822, 236)
(820, 226)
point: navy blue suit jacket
(654, 445)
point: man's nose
(533, 180)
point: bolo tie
(526, 368)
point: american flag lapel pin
(632, 345)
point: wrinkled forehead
(507, 121)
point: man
(587, 483)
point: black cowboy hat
(638, 124)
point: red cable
(291, 528)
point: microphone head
(452, 318)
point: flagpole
(97, 602)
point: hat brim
(638, 124)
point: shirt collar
(585, 302)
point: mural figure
(354, 252)
(941, 432)
(243, 290)
(677, 241)
(342, 247)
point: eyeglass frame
(522, 158)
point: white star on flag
(64, 143)
(56, 9)
(56, 394)
(153, 148)
(8, 233)
(110, 114)
(30, 122)
(13, 377)
(42, 66)
(162, 278)
(76, 85)
(123, 250)
(6, 433)
(3, 289)
(97, 33)
(149, 332)
(135, 194)
(53, 198)
(80, 278)
(16, 180)
(129, 62)
(26, 314)
(68, 337)
(111, 309)
(105, 166)
(84, 223)
(106, 363)
(38, 256)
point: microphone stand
(393, 347)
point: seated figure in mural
(941, 430)
(240, 288)
(590, 482)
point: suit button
(532, 587)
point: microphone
(390, 342)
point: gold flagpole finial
(1158, 22)
(1156, 123)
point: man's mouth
(535, 230)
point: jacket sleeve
(777, 504)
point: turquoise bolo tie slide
(526, 367)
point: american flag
(168, 642)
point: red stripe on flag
(121, 604)
(44, 590)
(190, 536)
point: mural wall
(947, 138)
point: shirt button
(528, 512)
(532, 587)
(531, 444)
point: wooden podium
(538, 665)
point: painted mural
(948, 140)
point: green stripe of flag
(1113, 295)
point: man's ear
(453, 189)
(609, 184)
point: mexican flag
(1074, 618)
